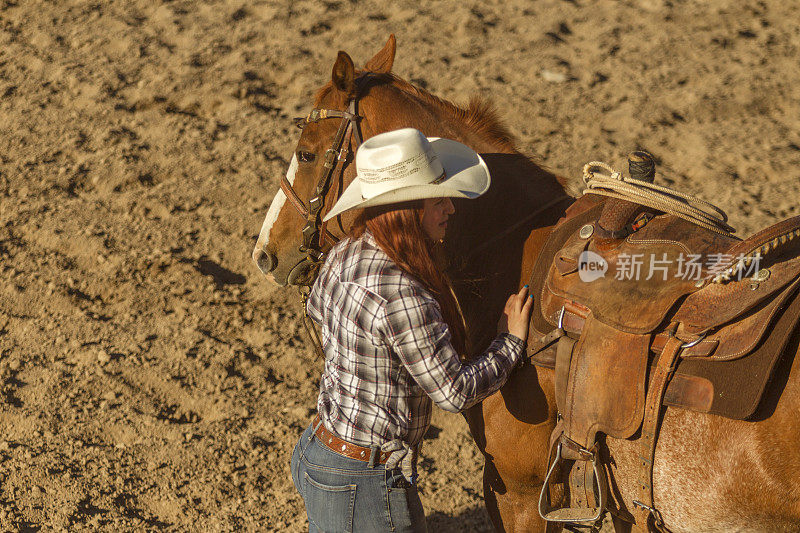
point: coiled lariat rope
(681, 205)
(685, 206)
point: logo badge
(591, 266)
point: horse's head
(293, 238)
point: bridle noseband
(315, 231)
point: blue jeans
(347, 495)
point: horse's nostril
(265, 261)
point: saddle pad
(734, 389)
(606, 385)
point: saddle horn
(642, 166)
(617, 213)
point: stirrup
(581, 515)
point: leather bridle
(315, 231)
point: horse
(710, 474)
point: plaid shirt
(388, 352)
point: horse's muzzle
(265, 261)
(302, 273)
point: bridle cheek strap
(324, 230)
(300, 207)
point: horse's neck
(399, 105)
(519, 186)
(497, 237)
(521, 194)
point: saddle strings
(685, 206)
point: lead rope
(308, 324)
(464, 356)
(682, 205)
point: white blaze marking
(276, 205)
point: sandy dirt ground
(151, 378)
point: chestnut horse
(711, 473)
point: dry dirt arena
(151, 378)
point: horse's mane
(480, 115)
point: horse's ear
(383, 60)
(344, 74)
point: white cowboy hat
(403, 165)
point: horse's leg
(512, 429)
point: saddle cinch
(634, 314)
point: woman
(392, 334)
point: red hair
(398, 231)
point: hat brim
(467, 177)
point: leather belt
(345, 448)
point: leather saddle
(668, 314)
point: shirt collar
(369, 238)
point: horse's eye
(305, 157)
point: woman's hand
(517, 313)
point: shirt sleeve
(420, 337)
